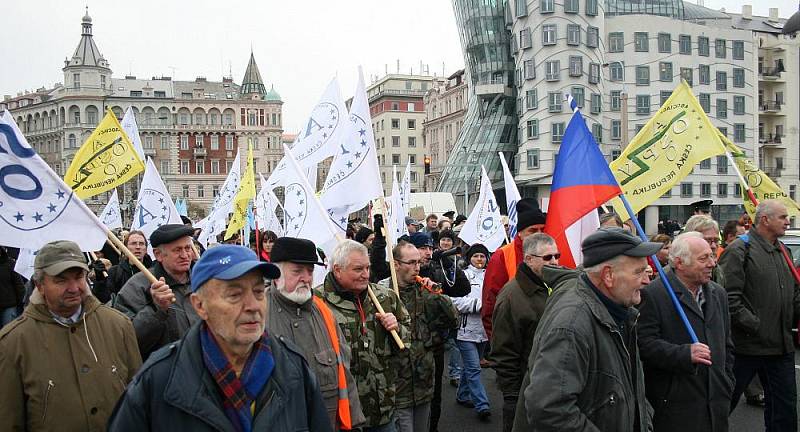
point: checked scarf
(240, 392)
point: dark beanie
(362, 234)
(477, 248)
(528, 213)
(447, 234)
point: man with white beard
(294, 314)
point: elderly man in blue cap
(227, 373)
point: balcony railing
(199, 152)
(772, 171)
(772, 139)
(770, 72)
(770, 107)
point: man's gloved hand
(377, 225)
(99, 270)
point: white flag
(578, 231)
(36, 206)
(396, 220)
(111, 216)
(24, 265)
(265, 204)
(512, 197)
(217, 218)
(154, 206)
(405, 190)
(355, 166)
(128, 124)
(484, 225)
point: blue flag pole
(667, 285)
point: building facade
(397, 108)
(445, 106)
(191, 129)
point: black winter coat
(12, 290)
(174, 391)
(686, 397)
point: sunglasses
(548, 257)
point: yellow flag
(762, 186)
(246, 193)
(106, 160)
(664, 152)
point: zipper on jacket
(50, 386)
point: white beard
(300, 295)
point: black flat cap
(296, 250)
(608, 243)
(169, 233)
(449, 214)
(702, 205)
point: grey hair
(38, 277)
(681, 247)
(701, 223)
(764, 208)
(531, 244)
(341, 254)
(597, 268)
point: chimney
(773, 15)
(747, 12)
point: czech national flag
(582, 182)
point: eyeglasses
(548, 257)
(412, 263)
(712, 240)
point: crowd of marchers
(235, 338)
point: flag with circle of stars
(111, 216)
(36, 206)
(222, 205)
(484, 225)
(265, 204)
(154, 206)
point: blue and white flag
(512, 198)
(36, 206)
(111, 216)
(154, 206)
(24, 264)
(396, 218)
(128, 124)
(484, 224)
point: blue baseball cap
(421, 239)
(228, 262)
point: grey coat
(154, 326)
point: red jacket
(497, 276)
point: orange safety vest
(343, 412)
(510, 258)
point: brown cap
(60, 255)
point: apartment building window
(412, 141)
(412, 124)
(616, 42)
(722, 108)
(531, 99)
(530, 70)
(665, 94)
(532, 129)
(395, 141)
(738, 77)
(617, 71)
(705, 190)
(165, 142)
(521, 8)
(705, 102)
(199, 167)
(686, 190)
(688, 75)
(395, 123)
(228, 142)
(532, 158)
(552, 70)
(214, 166)
(705, 164)
(641, 43)
(722, 81)
(738, 132)
(722, 164)
(685, 44)
(573, 34)
(395, 106)
(546, 6)
(665, 71)
(184, 167)
(738, 105)
(720, 48)
(412, 159)
(702, 46)
(592, 37)
(738, 50)
(664, 43)
(642, 75)
(228, 166)
(722, 190)
(549, 34)
(643, 104)
(557, 132)
(596, 103)
(164, 166)
(616, 130)
(184, 142)
(591, 7)
(76, 81)
(737, 189)
(704, 72)
(571, 6)
(723, 130)
(575, 66)
(185, 191)
(579, 96)
(597, 131)
(555, 102)
(616, 100)
(594, 73)
(525, 39)
(395, 159)
(201, 191)
(148, 142)
(615, 154)
(214, 142)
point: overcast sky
(299, 46)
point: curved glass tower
(490, 124)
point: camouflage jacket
(372, 347)
(432, 317)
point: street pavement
(456, 418)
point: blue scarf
(239, 393)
